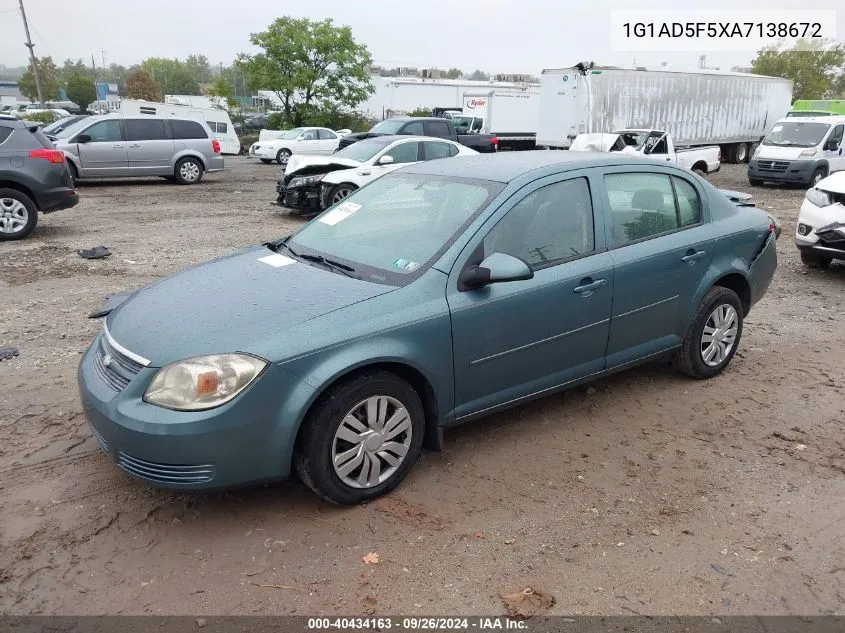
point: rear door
(105, 153)
(661, 243)
(432, 150)
(440, 129)
(149, 147)
(327, 141)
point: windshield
(806, 113)
(61, 124)
(797, 134)
(292, 134)
(363, 151)
(72, 129)
(395, 226)
(633, 138)
(390, 126)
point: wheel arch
(702, 165)
(17, 186)
(739, 284)
(188, 153)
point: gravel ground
(644, 493)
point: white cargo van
(218, 120)
(799, 150)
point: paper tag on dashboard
(277, 260)
(340, 213)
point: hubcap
(189, 171)
(283, 157)
(818, 178)
(340, 194)
(13, 215)
(719, 336)
(371, 442)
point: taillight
(215, 145)
(53, 155)
(495, 141)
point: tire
(188, 171)
(690, 357)
(741, 153)
(755, 183)
(266, 161)
(818, 174)
(74, 173)
(340, 192)
(18, 215)
(283, 156)
(699, 171)
(317, 441)
(729, 153)
(813, 260)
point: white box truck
(510, 115)
(703, 107)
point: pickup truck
(654, 144)
(425, 126)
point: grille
(837, 197)
(114, 368)
(832, 237)
(100, 440)
(772, 165)
(165, 473)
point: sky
(500, 36)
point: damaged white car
(820, 234)
(314, 183)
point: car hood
(835, 183)
(235, 303)
(776, 152)
(313, 164)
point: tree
(49, 76)
(479, 75)
(173, 75)
(453, 73)
(812, 66)
(81, 90)
(309, 66)
(420, 111)
(221, 87)
(141, 85)
(116, 74)
(196, 66)
(73, 68)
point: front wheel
(283, 156)
(18, 215)
(713, 336)
(361, 439)
(340, 193)
(699, 171)
(188, 171)
(818, 175)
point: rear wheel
(340, 193)
(814, 260)
(741, 153)
(18, 215)
(188, 171)
(713, 336)
(699, 171)
(74, 173)
(361, 439)
(283, 156)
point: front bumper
(306, 198)
(824, 229)
(247, 440)
(777, 170)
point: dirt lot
(645, 493)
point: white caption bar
(717, 31)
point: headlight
(204, 382)
(756, 152)
(305, 181)
(809, 152)
(818, 197)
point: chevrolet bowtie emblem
(107, 360)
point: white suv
(820, 234)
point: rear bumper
(788, 171)
(215, 164)
(56, 199)
(763, 269)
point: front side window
(643, 205)
(414, 129)
(105, 131)
(145, 129)
(396, 225)
(309, 135)
(835, 138)
(548, 226)
(404, 152)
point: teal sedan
(442, 292)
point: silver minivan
(118, 146)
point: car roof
(392, 138)
(507, 166)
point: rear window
(187, 129)
(42, 138)
(5, 132)
(145, 130)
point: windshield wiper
(322, 260)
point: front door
(661, 247)
(105, 153)
(834, 150)
(149, 149)
(516, 339)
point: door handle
(118, 145)
(588, 285)
(692, 256)
(135, 145)
(668, 158)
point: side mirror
(385, 160)
(497, 268)
(832, 146)
(83, 138)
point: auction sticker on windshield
(276, 261)
(340, 213)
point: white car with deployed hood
(299, 140)
(820, 233)
(313, 183)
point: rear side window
(187, 129)
(221, 128)
(437, 128)
(413, 129)
(145, 130)
(327, 135)
(5, 132)
(434, 150)
(643, 205)
(689, 204)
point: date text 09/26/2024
(417, 624)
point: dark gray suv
(34, 177)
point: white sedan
(317, 182)
(298, 141)
(820, 233)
